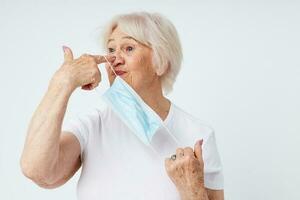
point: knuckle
(94, 72)
(86, 58)
(188, 157)
(84, 55)
(188, 160)
(188, 149)
(90, 59)
(169, 169)
(172, 168)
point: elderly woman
(143, 60)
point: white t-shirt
(117, 165)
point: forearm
(199, 194)
(41, 147)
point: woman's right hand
(81, 72)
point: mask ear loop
(111, 67)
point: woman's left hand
(186, 172)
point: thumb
(198, 149)
(68, 55)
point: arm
(43, 148)
(50, 158)
(215, 194)
(204, 194)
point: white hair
(156, 32)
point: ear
(163, 70)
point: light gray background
(241, 74)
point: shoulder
(89, 115)
(100, 116)
(87, 118)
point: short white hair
(156, 32)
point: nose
(119, 59)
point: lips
(120, 73)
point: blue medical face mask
(139, 117)
(133, 111)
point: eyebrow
(125, 37)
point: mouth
(120, 73)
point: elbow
(25, 168)
(38, 176)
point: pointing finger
(101, 59)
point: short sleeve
(213, 173)
(82, 126)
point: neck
(153, 97)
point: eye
(110, 50)
(129, 48)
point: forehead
(118, 34)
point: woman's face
(133, 61)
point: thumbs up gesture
(81, 72)
(185, 169)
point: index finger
(101, 59)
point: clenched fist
(185, 169)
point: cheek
(140, 70)
(148, 69)
(141, 65)
(142, 74)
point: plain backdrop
(240, 74)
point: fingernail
(64, 48)
(200, 141)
